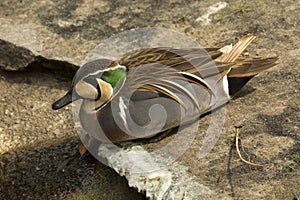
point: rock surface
(46, 39)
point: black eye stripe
(99, 91)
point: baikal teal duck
(152, 90)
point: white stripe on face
(105, 70)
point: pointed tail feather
(243, 68)
(230, 54)
(246, 67)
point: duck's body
(153, 90)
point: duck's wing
(192, 60)
(168, 71)
(162, 79)
(160, 70)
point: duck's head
(95, 82)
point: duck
(149, 91)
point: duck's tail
(244, 68)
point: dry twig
(239, 153)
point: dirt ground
(38, 151)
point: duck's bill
(62, 102)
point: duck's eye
(87, 90)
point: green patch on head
(113, 76)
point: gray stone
(14, 57)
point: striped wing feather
(162, 66)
